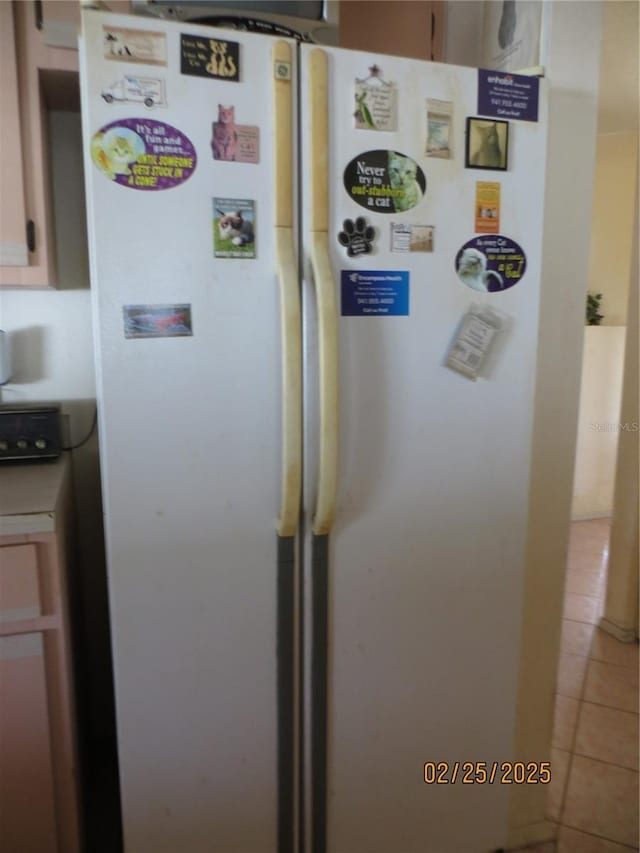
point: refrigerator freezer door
(190, 429)
(426, 555)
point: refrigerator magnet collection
(311, 590)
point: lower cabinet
(38, 760)
(27, 814)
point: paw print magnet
(356, 237)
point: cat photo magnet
(486, 144)
(234, 223)
(235, 143)
(384, 181)
(143, 154)
(491, 263)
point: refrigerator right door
(426, 555)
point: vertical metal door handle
(325, 294)
(290, 312)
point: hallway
(593, 795)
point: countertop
(29, 494)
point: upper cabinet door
(13, 233)
(41, 72)
(411, 28)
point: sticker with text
(234, 222)
(439, 129)
(490, 264)
(237, 143)
(474, 339)
(374, 293)
(143, 155)
(375, 102)
(357, 237)
(134, 89)
(126, 45)
(157, 321)
(487, 207)
(384, 181)
(206, 57)
(510, 96)
(411, 238)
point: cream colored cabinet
(39, 809)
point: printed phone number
(481, 773)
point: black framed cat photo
(486, 144)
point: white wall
(51, 343)
(50, 330)
(572, 62)
(600, 395)
(612, 223)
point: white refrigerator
(315, 525)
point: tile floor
(593, 796)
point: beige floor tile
(573, 841)
(545, 847)
(603, 800)
(588, 542)
(564, 722)
(584, 582)
(591, 527)
(587, 560)
(582, 608)
(608, 734)
(556, 788)
(576, 637)
(571, 674)
(611, 685)
(606, 648)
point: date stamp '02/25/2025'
(487, 773)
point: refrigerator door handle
(290, 311)
(325, 294)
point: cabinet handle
(433, 35)
(31, 235)
(38, 11)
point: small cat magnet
(491, 264)
(384, 181)
(235, 143)
(375, 102)
(357, 237)
(234, 222)
(486, 144)
(207, 57)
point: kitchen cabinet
(412, 28)
(43, 77)
(38, 755)
(38, 73)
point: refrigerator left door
(178, 145)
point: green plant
(594, 317)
